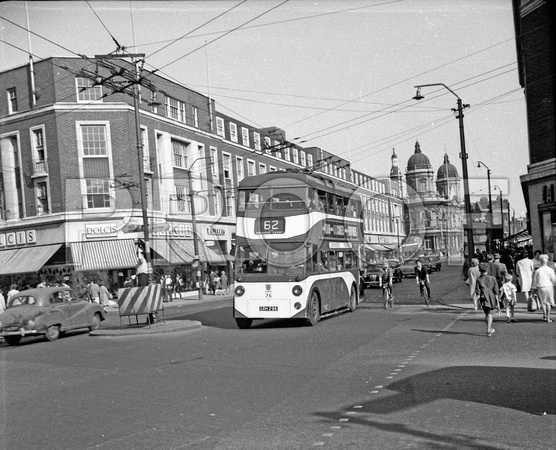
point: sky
(337, 74)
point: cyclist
(422, 278)
(385, 282)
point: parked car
(433, 263)
(408, 267)
(48, 311)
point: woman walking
(471, 281)
(487, 290)
(544, 280)
(524, 271)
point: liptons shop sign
(14, 238)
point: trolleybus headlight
(239, 290)
(297, 290)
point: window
(257, 140)
(245, 136)
(262, 168)
(220, 127)
(214, 165)
(250, 168)
(147, 166)
(96, 165)
(181, 199)
(227, 165)
(303, 159)
(39, 152)
(229, 205)
(98, 193)
(175, 109)
(295, 154)
(309, 160)
(86, 91)
(267, 144)
(233, 132)
(12, 101)
(195, 116)
(272, 169)
(42, 199)
(287, 153)
(239, 168)
(180, 154)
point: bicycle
(387, 295)
(425, 293)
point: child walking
(509, 297)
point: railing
(39, 167)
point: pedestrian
(487, 290)
(212, 284)
(508, 295)
(93, 290)
(2, 303)
(500, 270)
(544, 280)
(217, 285)
(104, 296)
(465, 268)
(537, 259)
(524, 271)
(506, 259)
(423, 281)
(472, 282)
(224, 282)
(13, 291)
(141, 268)
(385, 282)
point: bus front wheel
(352, 300)
(243, 322)
(313, 316)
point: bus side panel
(334, 291)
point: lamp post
(463, 156)
(194, 226)
(135, 81)
(501, 210)
(479, 164)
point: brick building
(70, 197)
(535, 35)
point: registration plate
(268, 308)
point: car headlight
(31, 324)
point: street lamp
(194, 225)
(479, 163)
(463, 156)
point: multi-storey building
(71, 202)
(435, 208)
(535, 31)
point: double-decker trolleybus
(299, 240)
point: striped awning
(26, 260)
(182, 251)
(376, 248)
(98, 255)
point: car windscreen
(22, 300)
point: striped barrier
(140, 300)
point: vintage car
(49, 311)
(408, 267)
(432, 262)
(371, 275)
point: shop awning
(99, 255)
(26, 260)
(376, 248)
(182, 251)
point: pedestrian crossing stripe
(140, 300)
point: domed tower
(396, 175)
(419, 175)
(447, 180)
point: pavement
(114, 325)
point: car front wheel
(95, 322)
(52, 333)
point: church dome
(418, 160)
(447, 170)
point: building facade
(72, 204)
(535, 31)
(434, 207)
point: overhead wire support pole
(463, 156)
(139, 144)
